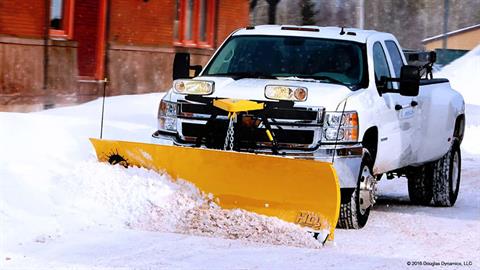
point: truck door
(411, 111)
(396, 123)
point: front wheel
(355, 209)
(446, 177)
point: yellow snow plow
(304, 192)
(301, 191)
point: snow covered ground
(60, 209)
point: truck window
(397, 61)
(380, 63)
(332, 61)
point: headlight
(280, 92)
(167, 124)
(167, 116)
(341, 126)
(193, 87)
(167, 108)
(334, 133)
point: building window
(194, 23)
(61, 18)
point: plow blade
(304, 192)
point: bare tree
(308, 12)
(272, 10)
(253, 4)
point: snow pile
(112, 195)
(143, 199)
(211, 220)
(52, 185)
(208, 219)
(464, 75)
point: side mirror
(409, 81)
(181, 66)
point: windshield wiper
(321, 78)
(244, 75)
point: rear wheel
(446, 177)
(355, 209)
(420, 184)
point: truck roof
(330, 32)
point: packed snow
(463, 75)
(61, 209)
(51, 158)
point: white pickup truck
(333, 94)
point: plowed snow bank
(464, 75)
(97, 194)
(143, 199)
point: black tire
(446, 179)
(420, 187)
(350, 215)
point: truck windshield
(326, 60)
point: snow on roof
(452, 33)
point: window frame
(388, 67)
(68, 16)
(388, 44)
(195, 41)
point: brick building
(57, 52)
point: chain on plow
(229, 139)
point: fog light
(283, 92)
(300, 94)
(193, 87)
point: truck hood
(319, 94)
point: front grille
(200, 109)
(300, 114)
(293, 114)
(293, 127)
(246, 134)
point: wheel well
(459, 128)
(370, 141)
(346, 194)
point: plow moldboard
(304, 192)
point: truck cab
(341, 95)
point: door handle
(412, 104)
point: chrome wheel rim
(367, 190)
